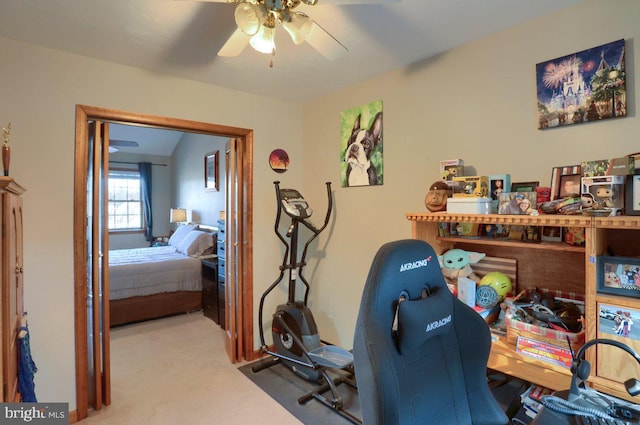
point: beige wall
(188, 179)
(478, 103)
(39, 89)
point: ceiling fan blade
(235, 44)
(215, 1)
(326, 44)
(346, 2)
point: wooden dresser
(12, 289)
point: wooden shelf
(555, 266)
(504, 358)
(522, 220)
(506, 242)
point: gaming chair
(420, 354)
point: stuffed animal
(456, 263)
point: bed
(147, 283)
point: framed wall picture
(632, 196)
(618, 276)
(585, 86)
(211, 171)
(562, 179)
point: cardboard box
(469, 205)
(623, 166)
(450, 168)
(607, 191)
(471, 187)
(467, 291)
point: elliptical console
(294, 204)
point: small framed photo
(524, 186)
(517, 203)
(632, 196)
(498, 183)
(561, 176)
(617, 320)
(211, 171)
(618, 276)
(551, 234)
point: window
(125, 200)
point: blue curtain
(145, 176)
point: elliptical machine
(295, 335)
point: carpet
(285, 387)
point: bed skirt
(136, 309)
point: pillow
(195, 243)
(419, 320)
(182, 231)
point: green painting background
(347, 119)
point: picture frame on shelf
(561, 175)
(524, 186)
(551, 234)
(618, 276)
(632, 195)
(617, 320)
(498, 183)
(517, 202)
(211, 171)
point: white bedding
(147, 271)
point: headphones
(580, 368)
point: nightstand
(210, 289)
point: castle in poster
(582, 87)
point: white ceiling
(181, 37)
(151, 141)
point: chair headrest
(422, 319)
(406, 265)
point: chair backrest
(421, 360)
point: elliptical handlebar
(310, 226)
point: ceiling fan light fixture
(310, 2)
(297, 24)
(264, 40)
(250, 17)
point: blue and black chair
(420, 354)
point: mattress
(146, 271)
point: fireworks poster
(582, 87)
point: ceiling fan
(257, 21)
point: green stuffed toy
(456, 263)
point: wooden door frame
(84, 114)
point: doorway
(87, 145)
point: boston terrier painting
(361, 143)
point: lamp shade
(263, 41)
(297, 24)
(250, 17)
(178, 215)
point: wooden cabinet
(552, 265)
(12, 289)
(610, 366)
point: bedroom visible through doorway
(91, 157)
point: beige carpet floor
(175, 371)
